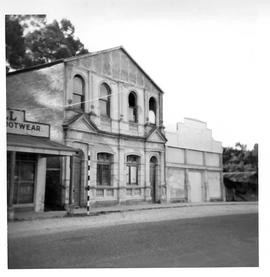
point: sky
(207, 56)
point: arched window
(152, 110)
(132, 107)
(78, 93)
(104, 100)
(104, 161)
(133, 162)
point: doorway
(77, 192)
(53, 190)
(195, 180)
(153, 179)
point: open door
(53, 190)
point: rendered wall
(41, 94)
(193, 158)
(214, 184)
(175, 155)
(193, 134)
(176, 182)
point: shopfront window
(24, 182)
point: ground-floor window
(132, 169)
(104, 161)
(24, 179)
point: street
(216, 241)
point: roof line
(35, 67)
(92, 54)
(195, 119)
(112, 49)
(83, 56)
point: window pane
(152, 117)
(106, 175)
(77, 100)
(78, 85)
(99, 175)
(106, 157)
(26, 193)
(103, 107)
(103, 175)
(104, 90)
(27, 171)
(132, 114)
(24, 182)
(132, 158)
(133, 174)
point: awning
(241, 177)
(30, 144)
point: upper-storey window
(152, 110)
(132, 107)
(104, 100)
(78, 92)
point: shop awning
(30, 144)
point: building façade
(105, 116)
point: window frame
(103, 163)
(134, 108)
(106, 100)
(129, 165)
(81, 104)
(154, 110)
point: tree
(36, 42)
(15, 46)
(239, 159)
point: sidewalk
(111, 216)
(22, 216)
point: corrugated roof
(242, 177)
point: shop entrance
(53, 191)
(153, 179)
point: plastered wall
(41, 94)
(194, 164)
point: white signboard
(16, 124)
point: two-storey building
(110, 111)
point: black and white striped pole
(88, 183)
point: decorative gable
(156, 136)
(81, 123)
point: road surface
(225, 240)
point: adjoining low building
(32, 169)
(241, 186)
(193, 164)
